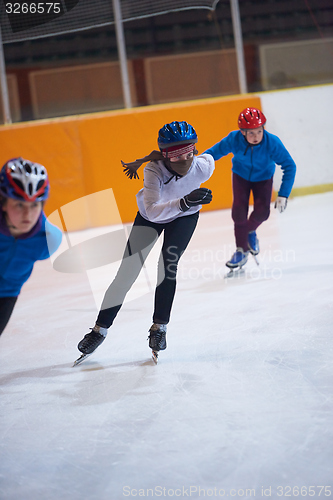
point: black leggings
(6, 308)
(143, 236)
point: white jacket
(158, 200)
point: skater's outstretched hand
(200, 196)
(281, 203)
(130, 169)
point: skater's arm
(288, 178)
(221, 148)
(53, 238)
(283, 158)
(206, 165)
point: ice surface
(239, 404)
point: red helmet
(251, 118)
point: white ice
(240, 404)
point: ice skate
(90, 342)
(236, 263)
(253, 243)
(80, 359)
(157, 339)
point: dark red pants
(262, 194)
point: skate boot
(157, 340)
(238, 260)
(92, 340)
(253, 243)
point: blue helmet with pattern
(175, 133)
(24, 180)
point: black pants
(6, 308)
(143, 236)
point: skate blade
(235, 273)
(80, 359)
(255, 259)
(154, 356)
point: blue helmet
(175, 133)
(24, 180)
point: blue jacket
(18, 255)
(257, 162)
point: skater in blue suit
(256, 153)
(25, 235)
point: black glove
(201, 196)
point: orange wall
(82, 153)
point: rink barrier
(319, 188)
(83, 153)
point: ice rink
(240, 404)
